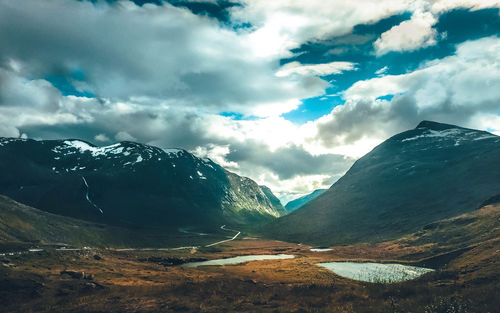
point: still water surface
(240, 259)
(376, 272)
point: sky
(287, 92)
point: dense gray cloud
(161, 75)
(123, 51)
(288, 162)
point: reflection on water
(375, 272)
(239, 259)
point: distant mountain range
(74, 192)
(417, 177)
(129, 184)
(301, 201)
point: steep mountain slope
(22, 226)
(276, 203)
(432, 172)
(127, 184)
(247, 201)
(299, 202)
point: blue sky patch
(64, 84)
(453, 27)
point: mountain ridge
(411, 179)
(127, 183)
(297, 203)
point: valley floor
(467, 280)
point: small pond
(376, 272)
(240, 259)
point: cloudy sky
(287, 92)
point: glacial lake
(240, 259)
(376, 272)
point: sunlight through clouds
(163, 75)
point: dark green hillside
(432, 172)
(128, 184)
(23, 226)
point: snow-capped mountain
(127, 183)
(432, 172)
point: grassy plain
(465, 251)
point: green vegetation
(23, 226)
(415, 178)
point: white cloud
(382, 70)
(26, 102)
(459, 89)
(124, 136)
(8, 130)
(217, 154)
(315, 69)
(159, 53)
(288, 189)
(410, 35)
(418, 32)
(488, 122)
(281, 25)
(101, 138)
(439, 6)
(161, 75)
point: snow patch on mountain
(4, 141)
(457, 134)
(173, 152)
(83, 147)
(485, 137)
(200, 174)
(436, 133)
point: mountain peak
(176, 187)
(434, 172)
(435, 125)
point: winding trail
(219, 242)
(87, 196)
(223, 227)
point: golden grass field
(466, 280)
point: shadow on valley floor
(152, 281)
(465, 251)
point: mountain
(299, 202)
(21, 224)
(247, 201)
(22, 227)
(275, 202)
(479, 226)
(426, 174)
(128, 184)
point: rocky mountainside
(21, 224)
(426, 174)
(301, 201)
(274, 200)
(128, 184)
